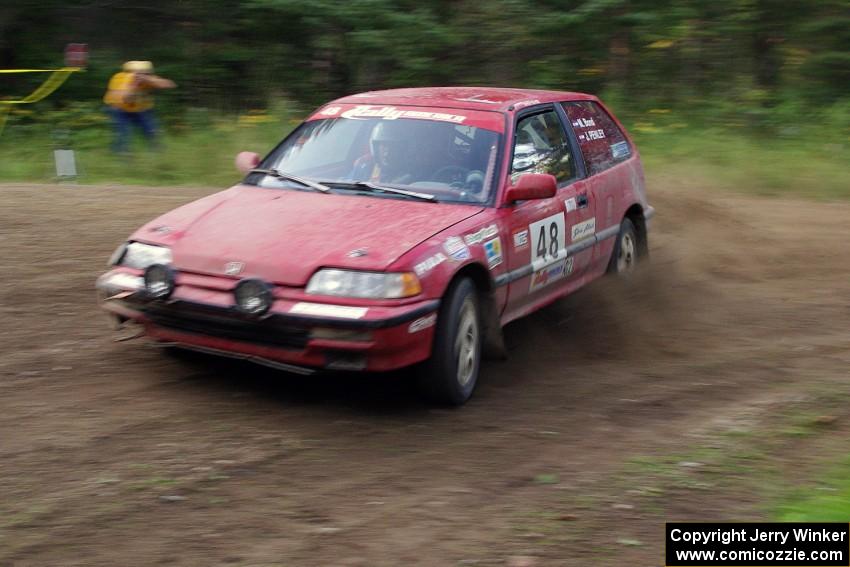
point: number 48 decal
(548, 240)
(552, 248)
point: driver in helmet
(388, 158)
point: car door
(605, 150)
(541, 231)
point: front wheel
(450, 375)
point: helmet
(392, 136)
(138, 67)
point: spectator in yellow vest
(130, 101)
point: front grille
(200, 321)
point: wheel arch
(635, 214)
(479, 275)
(494, 346)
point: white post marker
(66, 164)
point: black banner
(769, 544)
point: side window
(541, 146)
(601, 141)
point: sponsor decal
(620, 150)
(456, 248)
(551, 273)
(524, 103)
(392, 113)
(481, 235)
(429, 264)
(234, 268)
(520, 239)
(570, 204)
(591, 135)
(584, 229)
(548, 241)
(326, 310)
(493, 251)
(422, 323)
(583, 123)
(477, 98)
(330, 111)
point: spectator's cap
(138, 67)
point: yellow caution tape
(40, 70)
(53, 82)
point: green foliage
(238, 54)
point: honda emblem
(233, 268)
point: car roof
(478, 98)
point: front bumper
(375, 338)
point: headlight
(140, 256)
(371, 285)
(116, 257)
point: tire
(626, 254)
(450, 375)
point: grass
(198, 152)
(198, 149)
(828, 500)
(755, 463)
(750, 165)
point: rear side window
(542, 147)
(601, 141)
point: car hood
(283, 236)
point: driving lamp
(253, 297)
(159, 281)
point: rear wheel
(625, 257)
(450, 375)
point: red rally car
(393, 228)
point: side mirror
(532, 186)
(246, 161)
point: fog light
(253, 297)
(159, 281)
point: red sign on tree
(76, 54)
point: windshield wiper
(287, 177)
(414, 194)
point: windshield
(453, 162)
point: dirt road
(112, 454)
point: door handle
(581, 200)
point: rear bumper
(374, 339)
